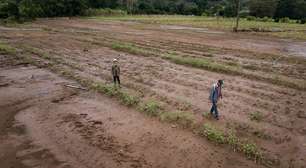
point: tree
(237, 3)
(262, 8)
(30, 9)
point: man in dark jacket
(215, 95)
(116, 72)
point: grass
(219, 137)
(185, 119)
(151, 108)
(256, 116)
(202, 63)
(130, 48)
(112, 91)
(250, 150)
(288, 30)
(233, 141)
(212, 134)
(6, 49)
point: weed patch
(130, 48)
(184, 119)
(6, 49)
(127, 99)
(256, 116)
(212, 134)
(151, 108)
(250, 150)
(202, 63)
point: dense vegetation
(293, 9)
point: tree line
(294, 9)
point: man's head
(220, 82)
(115, 61)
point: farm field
(160, 117)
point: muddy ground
(44, 123)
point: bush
(251, 18)
(250, 150)
(151, 108)
(303, 21)
(204, 14)
(127, 99)
(266, 19)
(5, 49)
(212, 134)
(104, 12)
(284, 20)
(29, 10)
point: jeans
(214, 110)
(116, 79)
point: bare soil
(63, 127)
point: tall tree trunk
(237, 16)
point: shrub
(151, 108)
(250, 150)
(212, 134)
(104, 12)
(204, 14)
(182, 118)
(251, 18)
(233, 141)
(127, 99)
(266, 19)
(5, 49)
(284, 20)
(303, 21)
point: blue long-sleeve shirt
(215, 93)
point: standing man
(215, 95)
(116, 72)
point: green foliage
(256, 116)
(53, 8)
(151, 108)
(29, 9)
(113, 91)
(250, 150)
(130, 48)
(260, 8)
(284, 20)
(251, 18)
(104, 12)
(127, 99)
(202, 63)
(184, 119)
(6, 49)
(212, 134)
(233, 141)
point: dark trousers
(116, 79)
(214, 110)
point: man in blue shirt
(215, 95)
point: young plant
(256, 116)
(151, 108)
(212, 134)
